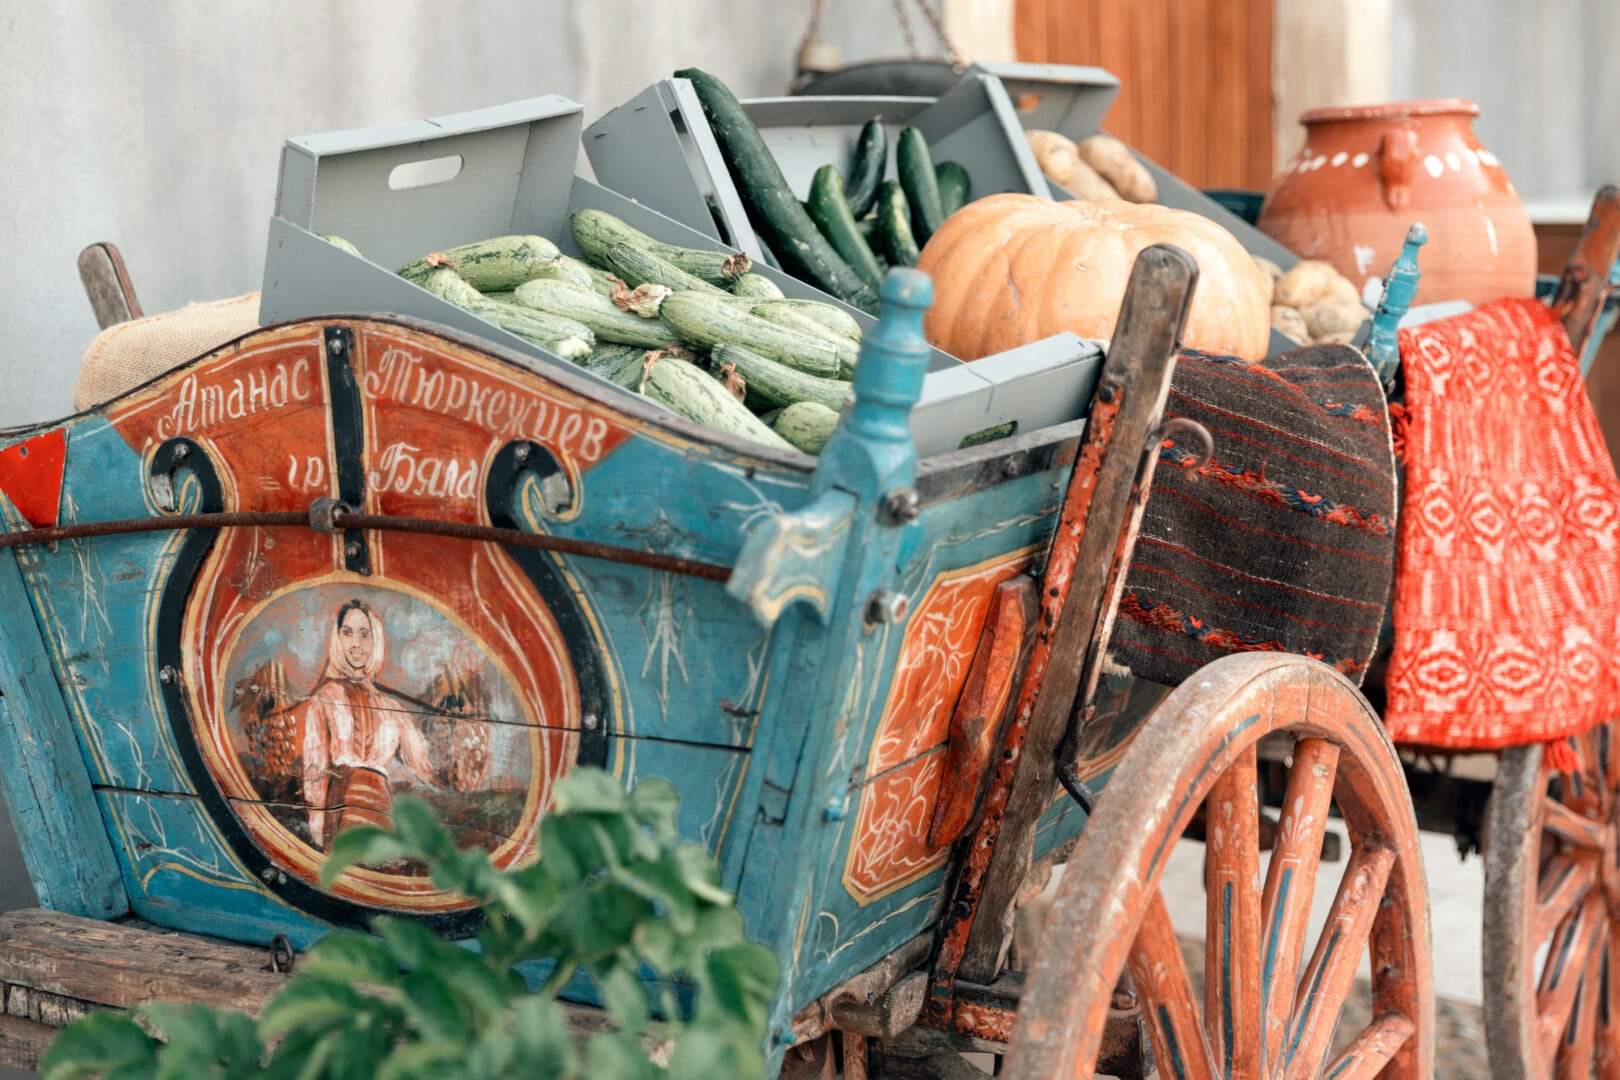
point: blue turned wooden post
(1383, 343)
(836, 565)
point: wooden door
(1195, 75)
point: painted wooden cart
(870, 677)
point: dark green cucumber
(830, 316)
(771, 384)
(757, 286)
(597, 312)
(917, 179)
(866, 172)
(704, 322)
(596, 231)
(637, 266)
(831, 213)
(774, 209)
(683, 388)
(504, 262)
(807, 425)
(954, 186)
(894, 226)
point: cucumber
(772, 206)
(771, 384)
(490, 265)
(868, 227)
(704, 322)
(756, 285)
(866, 173)
(639, 267)
(954, 186)
(832, 216)
(683, 388)
(830, 316)
(916, 168)
(894, 226)
(807, 425)
(595, 311)
(342, 244)
(596, 231)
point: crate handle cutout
(1028, 102)
(418, 174)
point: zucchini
(830, 316)
(704, 322)
(682, 387)
(638, 266)
(832, 215)
(954, 186)
(772, 206)
(771, 384)
(756, 285)
(446, 284)
(562, 268)
(807, 425)
(342, 244)
(917, 179)
(505, 296)
(490, 265)
(595, 311)
(894, 226)
(565, 337)
(596, 231)
(794, 319)
(866, 173)
(609, 361)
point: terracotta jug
(1366, 173)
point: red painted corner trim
(31, 476)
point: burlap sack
(127, 354)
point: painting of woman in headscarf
(330, 738)
(354, 731)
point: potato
(1116, 164)
(1290, 322)
(1312, 281)
(1056, 154)
(1334, 315)
(1271, 271)
(1084, 183)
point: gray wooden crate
(516, 176)
(658, 148)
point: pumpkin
(1012, 269)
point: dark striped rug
(1285, 541)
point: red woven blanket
(1507, 588)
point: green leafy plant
(615, 894)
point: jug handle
(1397, 153)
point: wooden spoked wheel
(1552, 914)
(1267, 1007)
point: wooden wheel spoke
(1291, 882)
(1561, 978)
(1159, 973)
(1571, 827)
(1606, 1056)
(1564, 881)
(1594, 778)
(1574, 1054)
(1232, 927)
(1371, 1050)
(1332, 970)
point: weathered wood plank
(121, 966)
(23, 1042)
(42, 772)
(106, 283)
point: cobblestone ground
(1460, 1054)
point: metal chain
(938, 24)
(905, 29)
